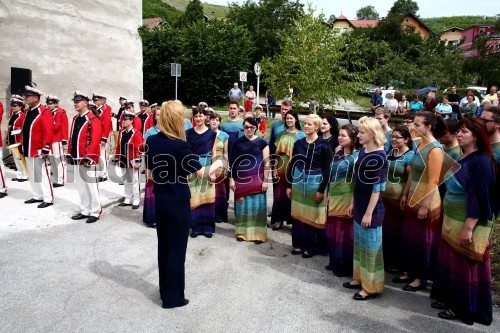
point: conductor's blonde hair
(316, 120)
(372, 126)
(171, 121)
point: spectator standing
(492, 96)
(430, 102)
(376, 100)
(403, 105)
(249, 99)
(454, 100)
(416, 105)
(235, 93)
(391, 104)
(444, 109)
(470, 107)
(270, 101)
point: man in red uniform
(14, 135)
(83, 154)
(128, 159)
(105, 114)
(129, 108)
(37, 142)
(145, 116)
(60, 138)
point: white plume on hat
(34, 90)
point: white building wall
(86, 45)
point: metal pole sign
(175, 70)
(243, 78)
(256, 69)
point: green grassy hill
(158, 8)
(439, 24)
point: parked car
(481, 90)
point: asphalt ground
(103, 277)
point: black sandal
(359, 297)
(439, 306)
(278, 226)
(447, 314)
(349, 285)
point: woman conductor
(170, 161)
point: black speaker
(19, 77)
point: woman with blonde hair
(370, 171)
(308, 174)
(169, 162)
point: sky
(427, 8)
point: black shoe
(239, 239)
(208, 235)
(348, 285)
(30, 201)
(409, 287)
(143, 172)
(306, 255)
(295, 252)
(45, 204)
(2, 195)
(152, 225)
(329, 267)
(15, 179)
(103, 179)
(92, 219)
(258, 242)
(193, 235)
(57, 185)
(400, 280)
(135, 206)
(79, 216)
(123, 204)
(120, 183)
(22, 180)
(439, 306)
(359, 297)
(166, 306)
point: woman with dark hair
(422, 204)
(462, 284)
(149, 214)
(221, 152)
(249, 161)
(329, 130)
(308, 174)
(399, 170)
(202, 141)
(284, 147)
(339, 225)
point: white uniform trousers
(102, 167)
(131, 186)
(57, 164)
(3, 184)
(86, 183)
(39, 177)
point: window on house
(407, 20)
(344, 30)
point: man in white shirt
(391, 104)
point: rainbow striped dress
(309, 172)
(284, 148)
(370, 172)
(339, 226)
(220, 188)
(250, 203)
(421, 238)
(202, 190)
(463, 272)
(397, 177)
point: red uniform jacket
(60, 125)
(37, 131)
(15, 123)
(87, 143)
(106, 122)
(137, 124)
(262, 125)
(147, 124)
(133, 145)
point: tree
(367, 13)
(402, 7)
(267, 22)
(193, 13)
(332, 18)
(316, 62)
